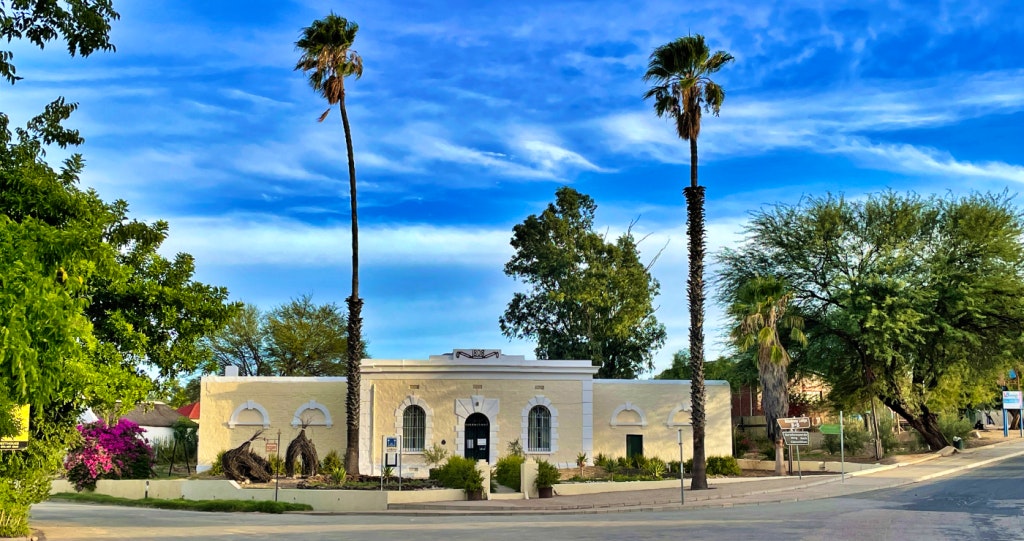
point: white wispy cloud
(268, 239)
(837, 122)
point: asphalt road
(981, 504)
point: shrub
(952, 426)
(276, 464)
(547, 474)
(217, 468)
(455, 472)
(515, 448)
(855, 438)
(741, 443)
(889, 440)
(717, 465)
(109, 452)
(331, 462)
(605, 462)
(723, 465)
(831, 443)
(338, 475)
(435, 455)
(655, 467)
(508, 471)
(474, 481)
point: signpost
(1012, 401)
(794, 433)
(19, 441)
(794, 423)
(392, 457)
(797, 437)
(682, 470)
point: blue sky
(471, 114)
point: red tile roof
(191, 411)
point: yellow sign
(20, 441)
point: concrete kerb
(730, 500)
(969, 466)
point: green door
(634, 445)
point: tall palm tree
(328, 58)
(682, 89)
(760, 308)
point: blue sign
(1011, 400)
(392, 441)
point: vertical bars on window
(539, 430)
(414, 428)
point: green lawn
(244, 506)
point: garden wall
(335, 501)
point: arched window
(414, 428)
(539, 439)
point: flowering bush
(109, 452)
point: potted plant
(547, 476)
(474, 486)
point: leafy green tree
(910, 299)
(681, 71)
(738, 370)
(328, 58)
(242, 342)
(588, 298)
(78, 279)
(84, 25)
(759, 308)
(176, 395)
(307, 339)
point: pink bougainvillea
(109, 452)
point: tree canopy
(588, 298)
(297, 338)
(88, 308)
(84, 25)
(738, 370)
(916, 300)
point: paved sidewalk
(733, 492)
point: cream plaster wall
(280, 398)
(502, 400)
(449, 390)
(652, 403)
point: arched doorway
(478, 435)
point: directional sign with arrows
(794, 423)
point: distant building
(155, 419)
(472, 402)
(191, 411)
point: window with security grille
(414, 428)
(539, 430)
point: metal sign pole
(682, 470)
(277, 470)
(799, 466)
(842, 450)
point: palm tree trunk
(693, 169)
(355, 318)
(695, 292)
(775, 404)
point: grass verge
(230, 506)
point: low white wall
(577, 489)
(336, 501)
(807, 465)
